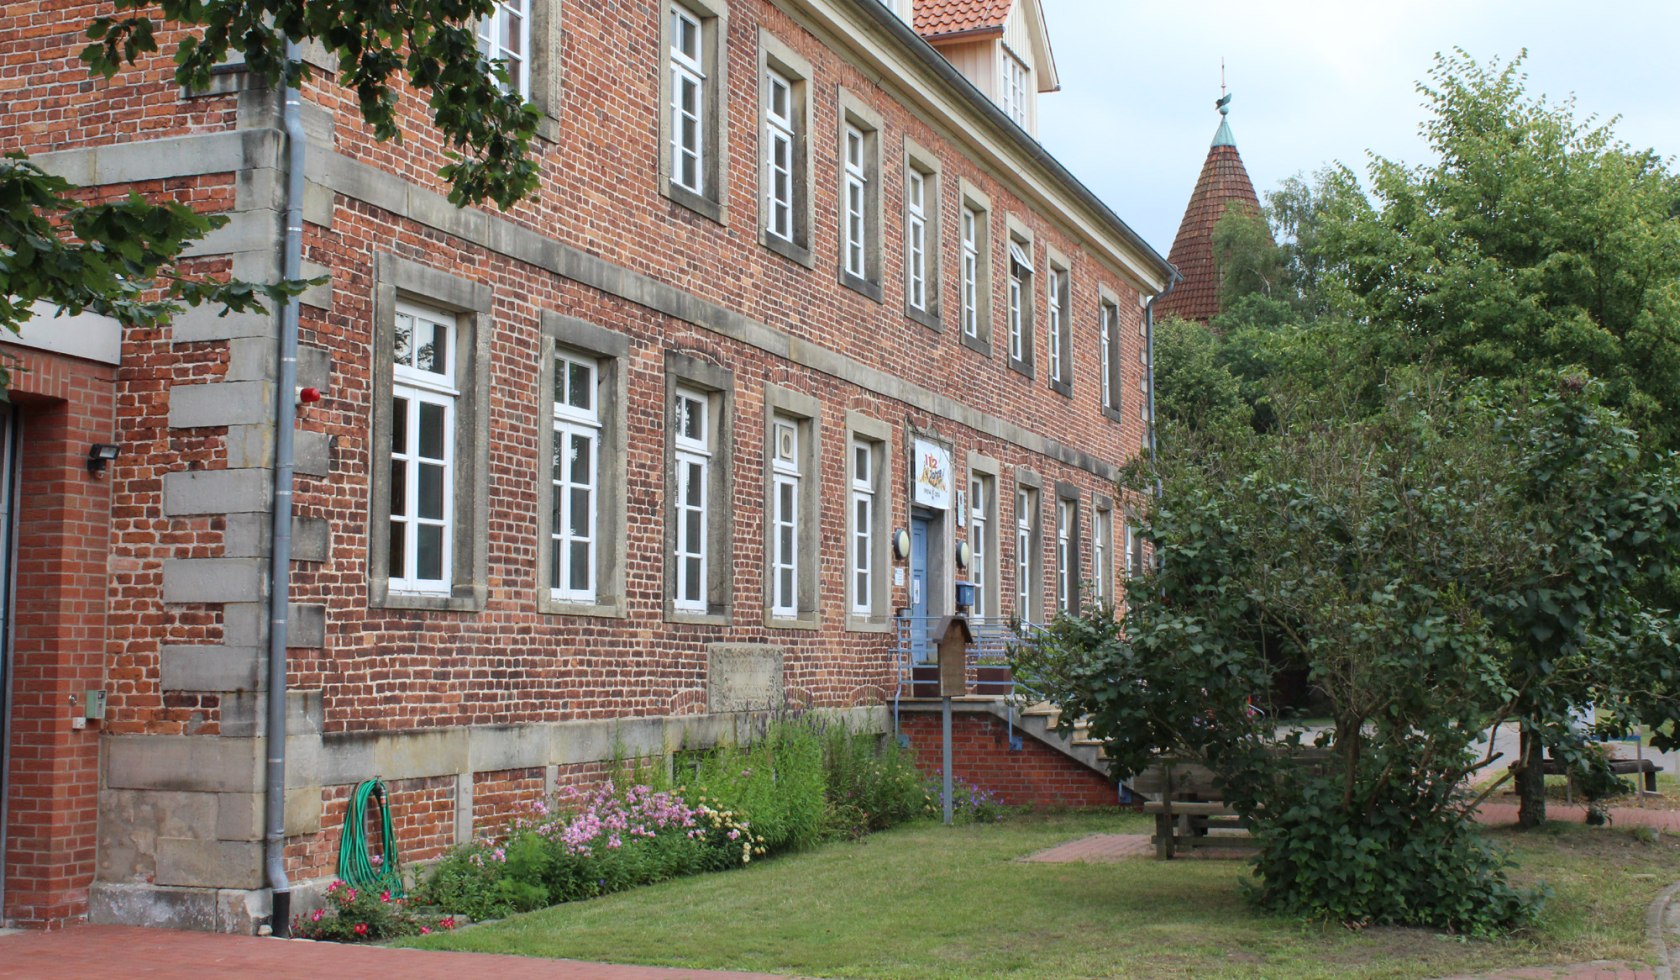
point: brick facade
(466, 711)
(981, 754)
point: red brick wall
(1037, 775)
(63, 519)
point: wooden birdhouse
(952, 638)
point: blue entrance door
(919, 591)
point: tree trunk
(1531, 781)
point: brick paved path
(131, 952)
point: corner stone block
(215, 491)
(311, 452)
(303, 811)
(209, 863)
(212, 580)
(311, 539)
(184, 763)
(307, 625)
(210, 668)
(314, 368)
(220, 403)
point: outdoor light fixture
(99, 454)
(901, 544)
(965, 554)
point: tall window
(692, 453)
(1134, 551)
(1057, 322)
(915, 239)
(1026, 551)
(422, 484)
(688, 100)
(778, 151)
(576, 476)
(1101, 529)
(853, 221)
(970, 272)
(1065, 518)
(505, 36)
(784, 520)
(863, 528)
(1020, 305)
(1108, 356)
(1014, 88)
(979, 539)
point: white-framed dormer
(1004, 50)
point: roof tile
(938, 17)
(1223, 183)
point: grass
(933, 902)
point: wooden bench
(1193, 824)
(1621, 767)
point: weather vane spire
(1224, 103)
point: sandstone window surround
(784, 224)
(428, 511)
(692, 125)
(858, 197)
(974, 269)
(923, 220)
(1020, 296)
(1058, 323)
(581, 506)
(698, 490)
(868, 523)
(792, 508)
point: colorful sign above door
(932, 475)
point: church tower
(1223, 184)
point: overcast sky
(1316, 82)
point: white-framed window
(1014, 84)
(784, 519)
(691, 441)
(778, 155)
(916, 239)
(1102, 520)
(505, 36)
(422, 467)
(862, 527)
(970, 272)
(575, 478)
(1057, 321)
(1108, 355)
(1134, 551)
(1020, 303)
(855, 194)
(1066, 520)
(688, 99)
(979, 539)
(1026, 552)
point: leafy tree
(122, 258)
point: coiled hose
(355, 865)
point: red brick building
(612, 473)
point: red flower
(361, 928)
(447, 922)
(385, 896)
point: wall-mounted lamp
(99, 454)
(965, 555)
(901, 544)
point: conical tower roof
(1223, 184)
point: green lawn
(927, 901)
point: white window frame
(1056, 319)
(418, 386)
(688, 73)
(971, 271)
(860, 516)
(1108, 354)
(693, 459)
(1067, 517)
(1012, 79)
(1026, 535)
(916, 239)
(785, 518)
(1020, 304)
(979, 538)
(854, 203)
(779, 160)
(1102, 521)
(493, 33)
(572, 422)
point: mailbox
(952, 638)
(965, 596)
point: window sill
(1113, 414)
(927, 318)
(1024, 368)
(981, 345)
(612, 608)
(693, 618)
(384, 599)
(1063, 388)
(698, 203)
(867, 624)
(786, 249)
(866, 287)
(803, 621)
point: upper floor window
(853, 223)
(691, 123)
(915, 240)
(575, 475)
(974, 271)
(1108, 357)
(778, 153)
(1059, 329)
(422, 467)
(1020, 305)
(970, 272)
(688, 100)
(1014, 82)
(505, 36)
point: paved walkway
(132, 952)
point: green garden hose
(355, 865)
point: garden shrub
(776, 783)
(364, 915)
(872, 783)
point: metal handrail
(993, 638)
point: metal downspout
(1149, 343)
(285, 419)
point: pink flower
(447, 922)
(361, 928)
(315, 916)
(385, 896)
(334, 886)
(350, 894)
(425, 930)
